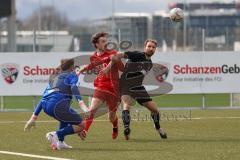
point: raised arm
(116, 58)
(120, 66)
(93, 64)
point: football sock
(62, 125)
(64, 131)
(126, 118)
(156, 118)
(88, 121)
(115, 122)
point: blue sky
(92, 9)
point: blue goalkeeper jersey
(65, 83)
(63, 86)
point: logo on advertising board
(9, 72)
(160, 72)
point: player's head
(150, 46)
(99, 40)
(67, 64)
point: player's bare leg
(127, 103)
(79, 129)
(95, 104)
(152, 106)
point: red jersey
(110, 81)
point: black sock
(126, 118)
(156, 118)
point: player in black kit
(137, 66)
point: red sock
(115, 123)
(88, 121)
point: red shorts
(111, 100)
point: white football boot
(63, 145)
(53, 138)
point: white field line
(190, 118)
(216, 118)
(140, 120)
(31, 155)
(50, 121)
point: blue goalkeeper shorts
(59, 108)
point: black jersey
(136, 67)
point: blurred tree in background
(45, 18)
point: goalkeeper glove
(30, 123)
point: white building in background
(44, 41)
(135, 27)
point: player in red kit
(106, 84)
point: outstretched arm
(116, 58)
(120, 66)
(93, 64)
(31, 122)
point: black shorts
(138, 93)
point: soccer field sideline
(142, 108)
(27, 103)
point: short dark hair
(66, 64)
(150, 40)
(96, 37)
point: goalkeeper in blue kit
(56, 102)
